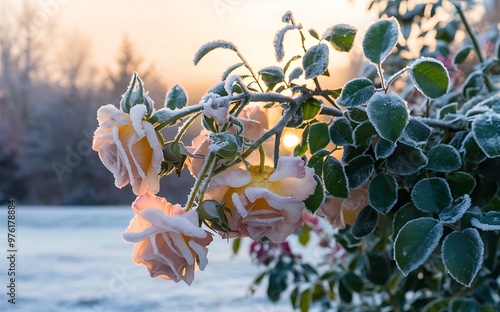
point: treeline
(50, 91)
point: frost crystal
(278, 41)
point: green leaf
(365, 223)
(318, 137)
(460, 183)
(351, 151)
(431, 195)
(462, 55)
(344, 292)
(473, 153)
(311, 108)
(383, 192)
(315, 60)
(451, 108)
(384, 148)
(295, 73)
(430, 77)
(486, 129)
(341, 37)
(377, 268)
(388, 114)
(364, 132)
(380, 39)
(313, 33)
(301, 149)
(453, 213)
(305, 300)
(354, 282)
(356, 92)
(236, 245)
(406, 160)
(443, 158)
(204, 49)
(357, 114)
(404, 215)
(489, 221)
(463, 264)
(436, 305)
(278, 280)
(316, 161)
(315, 201)
(335, 178)
(462, 304)
(230, 70)
(271, 76)
(359, 170)
(417, 131)
(415, 242)
(176, 98)
(341, 132)
(473, 84)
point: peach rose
(342, 211)
(129, 147)
(264, 203)
(167, 240)
(255, 123)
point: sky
(168, 33)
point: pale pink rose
(128, 146)
(342, 211)
(167, 240)
(264, 203)
(255, 123)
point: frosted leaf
(204, 49)
(315, 60)
(271, 76)
(388, 114)
(406, 159)
(490, 221)
(383, 192)
(278, 41)
(296, 72)
(443, 158)
(176, 97)
(453, 213)
(463, 264)
(228, 84)
(431, 195)
(486, 131)
(384, 148)
(359, 170)
(430, 77)
(230, 70)
(415, 242)
(380, 39)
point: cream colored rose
(167, 240)
(129, 147)
(342, 211)
(264, 203)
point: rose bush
(394, 172)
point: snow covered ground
(73, 259)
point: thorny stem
(331, 111)
(199, 180)
(185, 126)
(396, 76)
(209, 174)
(475, 43)
(446, 125)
